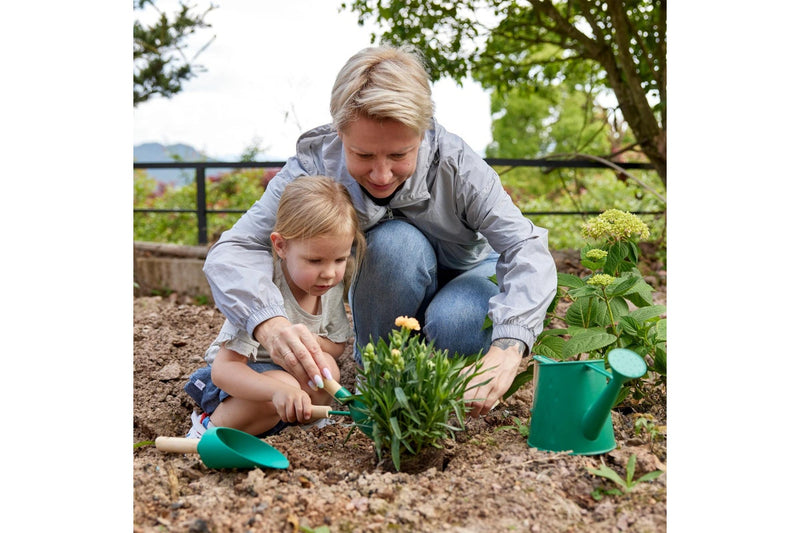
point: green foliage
(234, 190)
(625, 485)
(610, 308)
(507, 45)
(412, 392)
(160, 65)
(523, 427)
(644, 424)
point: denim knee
(397, 277)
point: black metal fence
(202, 210)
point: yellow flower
(616, 225)
(407, 322)
(601, 280)
(596, 255)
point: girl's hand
(292, 404)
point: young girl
(315, 230)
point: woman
(437, 220)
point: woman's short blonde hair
(383, 83)
(311, 206)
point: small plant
(625, 485)
(644, 424)
(411, 391)
(610, 308)
(523, 427)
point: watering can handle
(177, 444)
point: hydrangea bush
(610, 308)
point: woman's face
(380, 155)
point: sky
(268, 77)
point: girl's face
(313, 266)
(380, 155)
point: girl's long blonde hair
(311, 206)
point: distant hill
(158, 153)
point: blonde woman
(243, 386)
(437, 221)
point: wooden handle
(177, 444)
(320, 411)
(331, 386)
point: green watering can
(572, 402)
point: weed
(625, 485)
(521, 426)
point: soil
(489, 479)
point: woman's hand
(500, 366)
(294, 348)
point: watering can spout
(625, 365)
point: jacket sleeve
(239, 266)
(526, 272)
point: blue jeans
(400, 276)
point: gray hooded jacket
(453, 197)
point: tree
(504, 44)
(159, 63)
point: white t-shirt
(331, 323)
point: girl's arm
(230, 372)
(334, 348)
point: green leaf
(622, 285)
(646, 313)
(585, 291)
(586, 342)
(629, 325)
(616, 253)
(552, 332)
(551, 347)
(619, 307)
(519, 380)
(661, 330)
(630, 469)
(570, 280)
(641, 294)
(402, 399)
(582, 313)
(660, 359)
(608, 473)
(649, 476)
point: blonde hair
(311, 206)
(383, 83)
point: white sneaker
(200, 423)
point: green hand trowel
(572, 402)
(357, 410)
(223, 447)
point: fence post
(202, 223)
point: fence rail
(202, 210)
